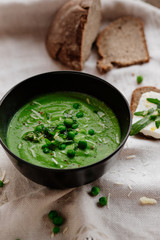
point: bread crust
(103, 64)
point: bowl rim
(69, 169)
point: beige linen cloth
(24, 204)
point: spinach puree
(64, 130)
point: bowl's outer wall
(63, 179)
(62, 81)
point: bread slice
(137, 93)
(73, 31)
(122, 43)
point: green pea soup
(64, 130)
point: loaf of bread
(121, 44)
(73, 31)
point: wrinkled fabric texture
(25, 204)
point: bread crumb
(130, 156)
(146, 201)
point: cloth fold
(24, 204)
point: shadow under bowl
(52, 82)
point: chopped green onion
(39, 128)
(153, 100)
(48, 142)
(136, 127)
(153, 117)
(144, 113)
(47, 115)
(157, 122)
(31, 136)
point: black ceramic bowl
(63, 81)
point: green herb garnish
(136, 127)
(154, 100)
(145, 112)
(148, 118)
(157, 122)
(32, 136)
(153, 117)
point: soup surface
(64, 130)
